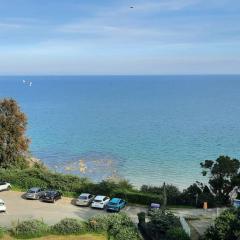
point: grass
(68, 237)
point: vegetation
(176, 233)
(2, 232)
(118, 226)
(162, 225)
(13, 142)
(73, 185)
(172, 192)
(221, 172)
(30, 229)
(68, 226)
(114, 226)
(226, 226)
(196, 194)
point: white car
(2, 206)
(100, 202)
(4, 186)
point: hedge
(72, 185)
(138, 197)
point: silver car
(85, 199)
(35, 193)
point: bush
(112, 224)
(68, 226)
(141, 217)
(2, 232)
(226, 226)
(98, 223)
(138, 197)
(162, 220)
(30, 229)
(126, 234)
(25, 179)
(177, 233)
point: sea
(146, 129)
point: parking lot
(19, 209)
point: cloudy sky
(109, 37)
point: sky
(76, 37)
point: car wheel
(118, 209)
(8, 188)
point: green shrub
(98, 223)
(226, 226)
(162, 221)
(141, 217)
(68, 226)
(30, 229)
(2, 232)
(138, 197)
(118, 221)
(112, 224)
(177, 233)
(127, 234)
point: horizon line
(118, 75)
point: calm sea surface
(146, 129)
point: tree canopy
(13, 142)
(221, 172)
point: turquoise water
(146, 129)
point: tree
(13, 142)
(221, 172)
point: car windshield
(31, 191)
(97, 200)
(83, 197)
(51, 193)
(1, 204)
(2, 183)
(113, 203)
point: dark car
(51, 196)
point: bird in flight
(131, 7)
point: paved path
(200, 219)
(19, 208)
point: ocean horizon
(147, 129)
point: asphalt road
(19, 209)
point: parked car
(116, 204)
(100, 202)
(2, 206)
(51, 196)
(4, 186)
(35, 193)
(85, 199)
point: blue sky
(108, 37)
